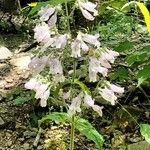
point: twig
(36, 141)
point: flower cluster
(88, 102)
(38, 64)
(80, 43)
(44, 34)
(108, 92)
(101, 64)
(42, 90)
(88, 9)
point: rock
(26, 146)
(40, 147)
(1, 122)
(139, 146)
(28, 134)
(5, 53)
(21, 61)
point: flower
(60, 41)
(91, 39)
(46, 12)
(75, 105)
(98, 109)
(88, 9)
(56, 69)
(80, 43)
(108, 92)
(32, 84)
(94, 68)
(52, 21)
(37, 64)
(42, 90)
(42, 33)
(108, 95)
(89, 102)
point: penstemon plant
(55, 47)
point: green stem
(67, 14)
(72, 133)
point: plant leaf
(55, 116)
(43, 4)
(89, 131)
(143, 74)
(33, 4)
(82, 86)
(143, 10)
(145, 131)
(145, 13)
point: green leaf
(145, 131)
(55, 116)
(82, 86)
(89, 131)
(123, 46)
(143, 74)
(120, 73)
(43, 4)
(21, 100)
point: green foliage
(89, 131)
(82, 86)
(144, 74)
(82, 125)
(42, 4)
(119, 74)
(124, 46)
(20, 96)
(55, 116)
(145, 131)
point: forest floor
(18, 130)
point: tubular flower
(56, 69)
(89, 102)
(60, 41)
(42, 33)
(88, 9)
(42, 91)
(46, 12)
(94, 68)
(108, 93)
(75, 105)
(80, 43)
(37, 64)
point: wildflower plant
(55, 49)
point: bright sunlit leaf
(33, 4)
(143, 10)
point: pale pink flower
(76, 48)
(55, 66)
(88, 9)
(91, 39)
(98, 109)
(88, 101)
(115, 88)
(52, 21)
(94, 68)
(108, 95)
(75, 105)
(32, 84)
(37, 64)
(80, 43)
(42, 91)
(42, 33)
(44, 98)
(46, 12)
(60, 41)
